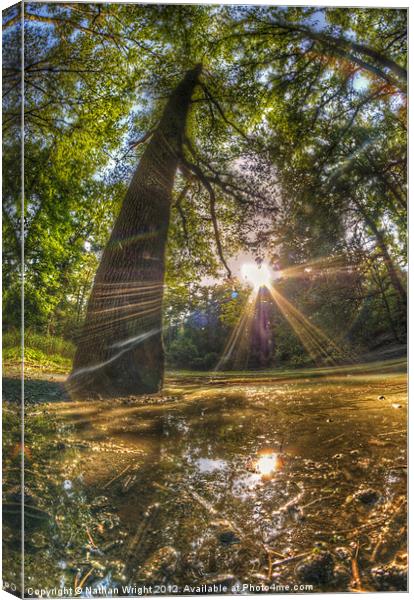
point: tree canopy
(295, 150)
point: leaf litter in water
(212, 489)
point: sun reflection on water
(267, 464)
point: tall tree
(299, 97)
(120, 351)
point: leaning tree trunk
(120, 351)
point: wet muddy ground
(279, 484)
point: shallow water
(232, 483)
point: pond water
(248, 484)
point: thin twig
(392, 432)
(90, 538)
(275, 552)
(116, 477)
(204, 180)
(319, 500)
(290, 559)
(355, 571)
(337, 437)
(85, 578)
(222, 114)
(270, 565)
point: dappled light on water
(244, 479)
(198, 484)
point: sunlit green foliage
(299, 126)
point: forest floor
(269, 480)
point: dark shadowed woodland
(213, 218)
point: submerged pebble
(367, 496)
(343, 553)
(341, 576)
(225, 532)
(390, 577)
(228, 537)
(161, 564)
(39, 540)
(99, 502)
(317, 568)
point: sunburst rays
(139, 302)
(316, 342)
(320, 347)
(237, 346)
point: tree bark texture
(120, 351)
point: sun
(257, 276)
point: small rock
(295, 512)
(395, 405)
(225, 532)
(100, 502)
(39, 540)
(228, 537)
(343, 553)
(341, 576)
(161, 564)
(390, 577)
(317, 568)
(381, 397)
(367, 496)
(401, 558)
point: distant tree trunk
(392, 272)
(376, 275)
(120, 351)
(261, 335)
(389, 264)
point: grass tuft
(41, 352)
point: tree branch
(222, 114)
(206, 183)
(336, 46)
